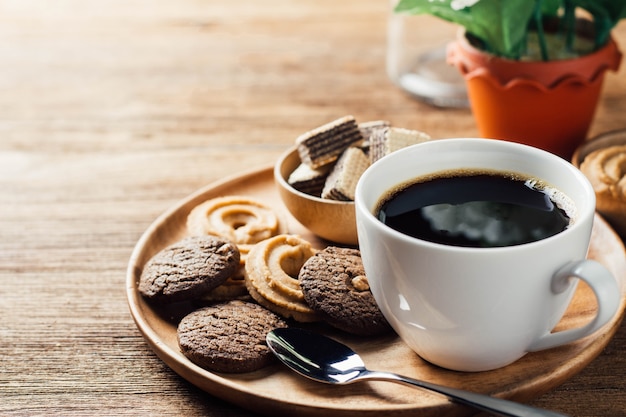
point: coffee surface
(474, 209)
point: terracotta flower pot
(546, 104)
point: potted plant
(534, 68)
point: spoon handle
(482, 402)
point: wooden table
(110, 112)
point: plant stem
(540, 32)
(569, 17)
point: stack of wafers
(334, 156)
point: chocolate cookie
(334, 284)
(228, 337)
(188, 269)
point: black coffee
(474, 209)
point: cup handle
(607, 295)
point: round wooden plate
(275, 389)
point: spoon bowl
(323, 359)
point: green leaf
(442, 9)
(550, 7)
(501, 24)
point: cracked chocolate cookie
(334, 284)
(188, 269)
(228, 337)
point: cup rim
(578, 223)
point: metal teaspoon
(325, 360)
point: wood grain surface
(112, 111)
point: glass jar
(416, 59)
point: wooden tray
(276, 390)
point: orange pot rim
(563, 83)
(507, 73)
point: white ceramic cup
(476, 309)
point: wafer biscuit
(324, 144)
(385, 141)
(341, 182)
(309, 180)
(368, 128)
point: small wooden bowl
(331, 220)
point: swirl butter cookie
(242, 220)
(188, 269)
(606, 170)
(228, 337)
(272, 271)
(334, 284)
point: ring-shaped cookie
(272, 268)
(242, 220)
(606, 170)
